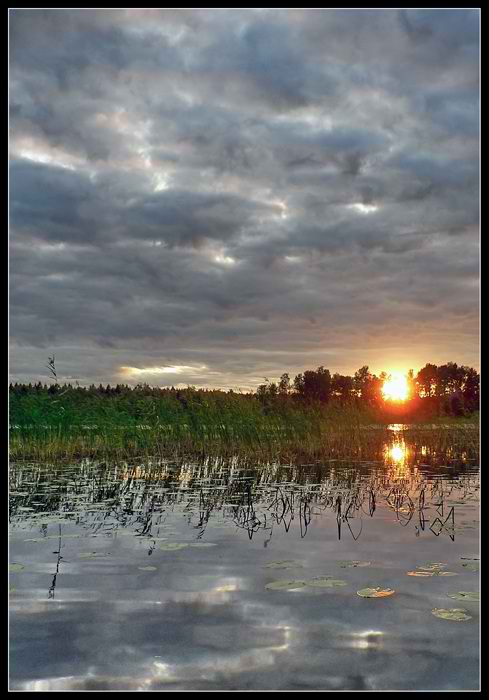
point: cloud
(245, 192)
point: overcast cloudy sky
(213, 197)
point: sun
(397, 453)
(396, 388)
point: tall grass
(195, 423)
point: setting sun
(396, 388)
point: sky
(215, 197)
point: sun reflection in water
(370, 639)
(396, 457)
(228, 586)
(398, 453)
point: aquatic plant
(457, 614)
(375, 592)
(69, 424)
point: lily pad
(285, 585)
(431, 567)
(471, 566)
(202, 544)
(285, 564)
(458, 614)
(375, 592)
(148, 568)
(470, 596)
(431, 573)
(326, 582)
(353, 564)
(93, 555)
(15, 568)
(174, 546)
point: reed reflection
(144, 499)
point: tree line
(451, 388)
(456, 387)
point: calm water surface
(107, 599)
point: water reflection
(398, 454)
(89, 613)
(369, 640)
(109, 499)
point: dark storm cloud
(53, 203)
(244, 192)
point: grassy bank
(190, 422)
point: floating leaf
(148, 568)
(93, 555)
(470, 566)
(286, 585)
(202, 544)
(431, 567)
(469, 596)
(173, 546)
(285, 564)
(326, 582)
(15, 568)
(375, 592)
(431, 573)
(457, 614)
(353, 564)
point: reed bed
(43, 429)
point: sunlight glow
(396, 388)
(160, 182)
(177, 369)
(370, 639)
(224, 259)
(45, 158)
(283, 208)
(397, 456)
(397, 453)
(363, 208)
(228, 585)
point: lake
(222, 575)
